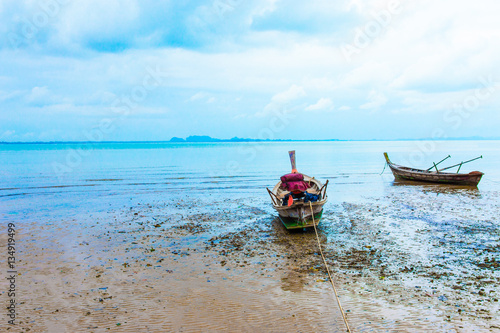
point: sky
(88, 70)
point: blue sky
(73, 70)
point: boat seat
(309, 190)
(312, 191)
(282, 194)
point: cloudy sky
(151, 70)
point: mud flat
(428, 264)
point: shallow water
(66, 176)
(406, 257)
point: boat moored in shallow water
(435, 176)
(298, 198)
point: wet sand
(429, 264)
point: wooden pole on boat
(271, 194)
(387, 158)
(291, 153)
(435, 164)
(323, 187)
(460, 164)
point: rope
(328, 271)
(385, 165)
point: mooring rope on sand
(328, 271)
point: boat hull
(293, 223)
(404, 173)
(299, 215)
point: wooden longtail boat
(436, 176)
(299, 213)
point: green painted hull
(291, 223)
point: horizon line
(214, 140)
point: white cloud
(7, 134)
(321, 104)
(427, 59)
(376, 100)
(282, 99)
(289, 95)
(203, 96)
(102, 98)
(198, 95)
(39, 95)
(7, 95)
(82, 21)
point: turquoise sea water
(64, 178)
(47, 180)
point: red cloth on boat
(294, 182)
(292, 177)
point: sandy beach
(217, 264)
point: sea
(58, 180)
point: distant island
(206, 138)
